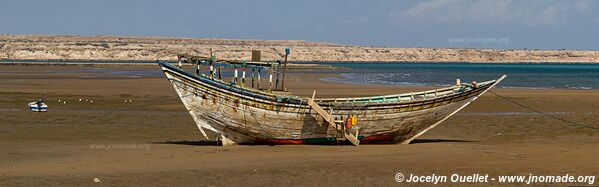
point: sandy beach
(152, 141)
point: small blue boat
(38, 106)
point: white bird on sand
(96, 180)
(91, 101)
(125, 100)
(64, 102)
(79, 99)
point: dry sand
(161, 146)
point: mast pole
(287, 51)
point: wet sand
(153, 141)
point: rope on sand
(568, 122)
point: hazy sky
(429, 23)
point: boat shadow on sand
(217, 143)
(192, 142)
(425, 140)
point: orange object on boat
(349, 122)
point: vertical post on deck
(256, 57)
(212, 62)
(179, 59)
(212, 70)
(253, 72)
(198, 67)
(243, 68)
(270, 72)
(278, 72)
(287, 51)
(220, 75)
(235, 75)
(258, 78)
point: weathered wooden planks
(331, 121)
(245, 116)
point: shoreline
(327, 73)
(447, 85)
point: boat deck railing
(413, 96)
(404, 97)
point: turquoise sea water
(520, 75)
(523, 75)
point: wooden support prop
(331, 120)
(313, 94)
(454, 112)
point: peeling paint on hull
(249, 116)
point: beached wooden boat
(246, 115)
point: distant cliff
(160, 48)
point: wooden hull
(249, 116)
